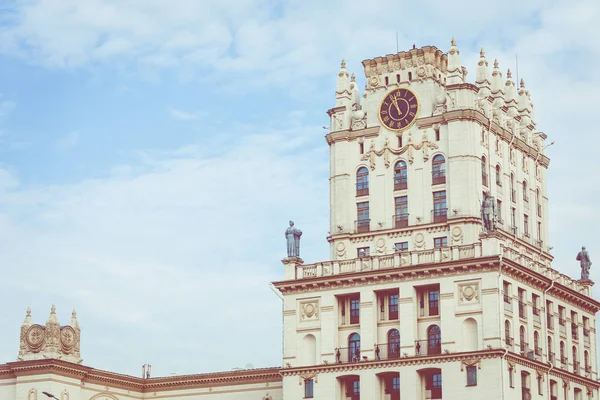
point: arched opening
(362, 181)
(470, 334)
(586, 362)
(400, 176)
(550, 351)
(522, 339)
(438, 169)
(354, 347)
(309, 350)
(507, 335)
(393, 346)
(434, 340)
(536, 344)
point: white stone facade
(418, 301)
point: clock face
(399, 109)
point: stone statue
(584, 260)
(488, 212)
(292, 234)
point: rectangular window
(361, 148)
(535, 300)
(363, 252)
(437, 135)
(506, 290)
(499, 211)
(434, 297)
(393, 306)
(439, 206)
(539, 233)
(349, 309)
(522, 304)
(354, 310)
(428, 298)
(526, 224)
(549, 316)
(402, 246)
(471, 375)
(561, 316)
(308, 388)
(540, 385)
(511, 377)
(513, 220)
(388, 304)
(363, 221)
(440, 242)
(401, 216)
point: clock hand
(395, 101)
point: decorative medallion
(67, 338)
(35, 337)
(399, 109)
(468, 293)
(309, 310)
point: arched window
(400, 176)
(507, 337)
(434, 340)
(586, 362)
(536, 344)
(393, 343)
(538, 202)
(397, 78)
(525, 195)
(498, 175)
(513, 194)
(362, 182)
(484, 175)
(354, 347)
(470, 335)
(522, 339)
(438, 167)
(309, 350)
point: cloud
(67, 141)
(178, 236)
(180, 115)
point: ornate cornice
(400, 362)
(95, 376)
(514, 359)
(347, 134)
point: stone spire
(52, 332)
(24, 328)
(497, 82)
(483, 73)
(510, 94)
(28, 321)
(74, 324)
(455, 71)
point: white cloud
(180, 115)
(67, 141)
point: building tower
(439, 283)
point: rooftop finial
(353, 78)
(74, 314)
(522, 83)
(508, 74)
(28, 312)
(453, 42)
(481, 53)
(343, 63)
(496, 63)
(53, 309)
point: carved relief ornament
(410, 147)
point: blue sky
(151, 154)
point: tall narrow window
(401, 216)
(484, 175)
(522, 339)
(399, 140)
(563, 358)
(550, 351)
(538, 202)
(362, 182)
(387, 81)
(363, 222)
(507, 336)
(526, 225)
(525, 194)
(513, 193)
(393, 306)
(400, 175)
(308, 388)
(437, 135)
(575, 361)
(498, 175)
(354, 347)
(397, 78)
(393, 344)
(438, 170)
(434, 340)
(513, 220)
(355, 310)
(499, 211)
(471, 375)
(439, 207)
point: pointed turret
(483, 74)
(52, 332)
(455, 70)
(74, 324)
(497, 82)
(342, 88)
(28, 321)
(510, 94)
(24, 327)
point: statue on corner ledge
(584, 261)
(488, 212)
(292, 234)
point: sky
(152, 153)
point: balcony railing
(563, 362)
(438, 177)
(400, 183)
(525, 198)
(362, 189)
(538, 351)
(428, 347)
(344, 355)
(401, 220)
(514, 229)
(387, 351)
(507, 298)
(551, 358)
(588, 369)
(509, 342)
(523, 347)
(440, 215)
(363, 225)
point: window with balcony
(434, 340)
(513, 193)
(563, 359)
(537, 348)
(540, 242)
(309, 388)
(586, 330)
(484, 175)
(438, 167)
(471, 375)
(523, 345)
(363, 223)
(428, 300)
(498, 175)
(362, 182)
(575, 361)
(522, 304)
(549, 315)
(508, 339)
(354, 347)
(349, 306)
(506, 294)
(586, 362)
(400, 176)
(388, 305)
(525, 193)
(513, 220)
(440, 211)
(574, 326)
(562, 321)
(538, 202)
(401, 246)
(401, 216)
(440, 242)
(535, 308)
(551, 359)
(393, 344)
